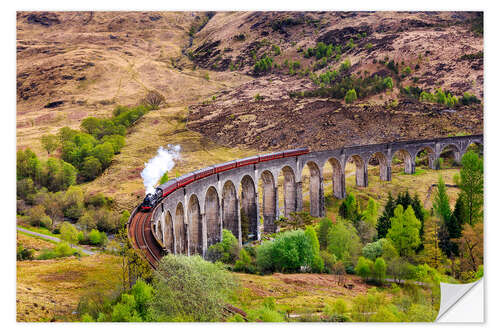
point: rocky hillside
(419, 51)
(241, 82)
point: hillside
(71, 65)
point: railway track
(141, 237)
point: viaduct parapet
(191, 219)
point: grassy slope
(295, 293)
(50, 289)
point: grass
(49, 290)
(296, 294)
(40, 230)
(34, 242)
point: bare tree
(154, 99)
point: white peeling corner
(462, 303)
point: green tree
(50, 142)
(371, 212)
(343, 241)
(384, 221)
(404, 231)
(190, 289)
(104, 153)
(470, 182)
(379, 269)
(364, 267)
(226, 251)
(349, 208)
(143, 295)
(432, 254)
(73, 202)
(244, 263)
(350, 96)
(317, 261)
(324, 227)
(69, 233)
(91, 168)
(28, 165)
(441, 202)
(125, 310)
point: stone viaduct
(191, 218)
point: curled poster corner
(462, 302)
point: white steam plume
(157, 166)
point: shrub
(289, 252)
(350, 96)
(276, 49)
(263, 65)
(244, 263)
(364, 267)
(190, 289)
(69, 233)
(62, 249)
(379, 269)
(388, 84)
(344, 67)
(226, 251)
(324, 227)
(329, 261)
(343, 241)
(468, 99)
(406, 71)
(24, 254)
(317, 262)
(153, 99)
(97, 238)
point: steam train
(152, 199)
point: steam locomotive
(152, 199)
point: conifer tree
(432, 254)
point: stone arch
(230, 220)
(338, 178)
(212, 216)
(383, 164)
(477, 143)
(455, 151)
(195, 226)
(180, 230)
(408, 160)
(316, 199)
(361, 170)
(269, 198)
(289, 189)
(249, 209)
(168, 233)
(431, 155)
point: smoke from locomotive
(156, 167)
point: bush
(329, 261)
(468, 99)
(344, 67)
(24, 254)
(153, 99)
(97, 238)
(317, 262)
(263, 65)
(190, 289)
(364, 268)
(324, 227)
(350, 96)
(226, 251)
(379, 269)
(343, 241)
(388, 84)
(62, 249)
(290, 252)
(244, 263)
